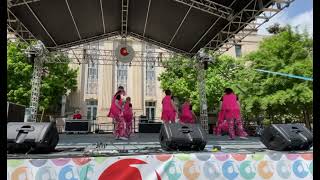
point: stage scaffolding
(236, 25)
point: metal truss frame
(13, 3)
(215, 22)
(17, 27)
(221, 42)
(36, 85)
(114, 34)
(182, 21)
(202, 96)
(157, 43)
(43, 27)
(124, 17)
(74, 22)
(146, 21)
(226, 38)
(107, 57)
(102, 17)
(209, 7)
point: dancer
(168, 108)
(175, 112)
(128, 115)
(116, 113)
(230, 111)
(222, 124)
(187, 115)
(113, 110)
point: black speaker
(77, 126)
(287, 137)
(186, 137)
(15, 112)
(31, 137)
(150, 127)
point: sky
(299, 13)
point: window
(121, 69)
(150, 110)
(150, 71)
(92, 56)
(122, 75)
(92, 106)
(238, 50)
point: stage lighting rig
(203, 57)
(34, 51)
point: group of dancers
(170, 111)
(229, 114)
(122, 115)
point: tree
(280, 98)
(58, 79)
(180, 76)
(276, 28)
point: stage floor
(152, 139)
(79, 145)
(100, 156)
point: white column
(63, 105)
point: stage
(100, 156)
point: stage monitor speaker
(150, 127)
(15, 112)
(77, 126)
(287, 137)
(186, 137)
(31, 137)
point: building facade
(98, 83)
(247, 45)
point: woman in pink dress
(114, 109)
(116, 113)
(230, 111)
(175, 113)
(187, 116)
(222, 125)
(128, 115)
(168, 108)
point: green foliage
(276, 28)
(19, 73)
(180, 76)
(279, 98)
(58, 79)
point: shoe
(243, 137)
(231, 138)
(123, 138)
(117, 138)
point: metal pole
(202, 96)
(36, 85)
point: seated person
(77, 115)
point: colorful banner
(272, 165)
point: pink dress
(230, 111)
(114, 111)
(230, 108)
(128, 116)
(186, 114)
(168, 111)
(222, 124)
(117, 115)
